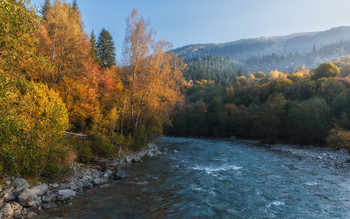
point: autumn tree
(65, 44)
(153, 77)
(326, 70)
(106, 49)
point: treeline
(288, 62)
(298, 108)
(225, 69)
(54, 77)
(217, 68)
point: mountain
(247, 48)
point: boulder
(137, 158)
(119, 174)
(19, 183)
(49, 197)
(27, 199)
(17, 208)
(7, 195)
(55, 186)
(107, 173)
(85, 185)
(65, 194)
(40, 190)
(6, 211)
(98, 181)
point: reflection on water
(216, 178)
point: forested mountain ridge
(246, 48)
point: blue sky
(184, 22)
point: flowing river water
(217, 179)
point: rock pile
(19, 200)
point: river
(217, 179)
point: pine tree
(93, 47)
(106, 49)
(75, 5)
(45, 9)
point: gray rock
(55, 185)
(84, 185)
(7, 211)
(19, 183)
(73, 186)
(107, 173)
(49, 197)
(137, 158)
(98, 181)
(7, 195)
(128, 159)
(40, 190)
(49, 205)
(27, 199)
(119, 174)
(65, 194)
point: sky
(185, 22)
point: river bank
(20, 200)
(322, 156)
(216, 178)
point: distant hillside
(225, 69)
(247, 48)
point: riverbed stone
(50, 196)
(6, 211)
(7, 195)
(27, 199)
(39, 190)
(137, 158)
(55, 185)
(19, 183)
(98, 181)
(65, 194)
(107, 173)
(119, 174)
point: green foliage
(106, 49)
(33, 120)
(326, 70)
(219, 69)
(300, 111)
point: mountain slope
(246, 48)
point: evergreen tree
(106, 49)
(45, 9)
(75, 5)
(93, 47)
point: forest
(301, 107)
(55, 77)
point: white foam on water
(275, 203)
(311, 184)
(214, 170)
(195, 187)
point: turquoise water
(217, 179)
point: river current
(201, 178)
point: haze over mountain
(247, 48)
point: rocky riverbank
(20, 200)
(323, 157)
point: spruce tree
(45, 9)
(75, 5)
(93, 47)
(106, 49)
